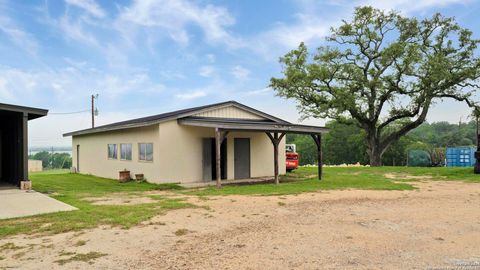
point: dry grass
(181, 232)
(82, 257)
(9, 246)
(80, 243)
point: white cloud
(74, 30)
(192, 95)
(410, 5)
(260, 92)
(17, 35)
(282, 37)
(175, 16)
(240, 72)
(5, 93)
(89, 6)
(307, 29)
(206, 71)
(313, 24)
(66, 86)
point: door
(207, 159)
(242, 158)
(78, 158)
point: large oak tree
(385, 71)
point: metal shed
(14, 141)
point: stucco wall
(35, 165)
(177, 153)
(94, 153)
(184, 161)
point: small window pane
(112, 151)
(145, 151)
(149, 152)
(125, 151)
(142, 151)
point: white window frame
(140, 151)
(131, 152)
(116, 151)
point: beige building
(181, 146)
(35, 165)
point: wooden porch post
(217, 157)
(219, 137)
(24, 154)
(318, 141)
(276, 139)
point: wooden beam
(218, 144)
(275, 158)
(318, 141)
(276, 139)
(224, 136)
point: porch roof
(250, 125)
(33, 113)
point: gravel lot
(436, 226)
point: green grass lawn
(71, 188)
(305, 179)
(74, 188)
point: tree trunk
(374, 149)
(375, 159)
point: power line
(63, 113)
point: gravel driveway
(436, 226)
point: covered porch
(14, 142)
(274, 131)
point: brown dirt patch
(126, 200)
(407, 176)
(435, 226)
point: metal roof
(250, 125)
(33, 113)
(155, 119)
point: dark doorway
(11, 148)
(14, 141)
(209, 166)
(242, 158)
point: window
(112, 151)
(126, 151)
(145, 151)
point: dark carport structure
(274, 131)
(14, 141)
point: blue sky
(145, 57)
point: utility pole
(94, 110)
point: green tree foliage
(44, 156)
(446, 134)
(53, 161)
(385, 71)
(345, 143)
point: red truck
(291, 157)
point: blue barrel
(460, 156)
